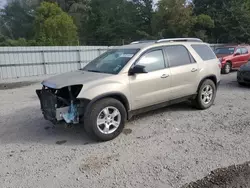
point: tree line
(116, 22)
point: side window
(238, 51)
(152, 61)
(177, 55)
(244, 51)
(205, 52)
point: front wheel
(206, 95)
(106, 119)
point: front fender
(93, 92)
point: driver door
(153, 87)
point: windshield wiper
(94, 71)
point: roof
(147, 43)
(136, 46)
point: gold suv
(131, 79)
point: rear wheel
(106, 119)
(206, 95)
(227, 68)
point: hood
(73, 78)
(245, 67)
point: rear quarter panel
(213, 68)
(206, 68)
(202, 71)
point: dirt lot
(166, 148)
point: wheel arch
(210, 77)
(116, 95)
(230, 62)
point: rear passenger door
(184, 71)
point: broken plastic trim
(72, 115)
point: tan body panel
(143, 90)
(148, 89)
(114, 84)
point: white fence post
(43, 62)
(99, 51)
(79, 59)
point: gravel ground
(165, 148)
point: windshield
(111, 62)
(225, 51)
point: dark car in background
(232, 57)
(243, 75)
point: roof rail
(179, 40)
(143, 41)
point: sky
(2, 3)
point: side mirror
(236, 54)
(137, 69)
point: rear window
(205, 52)
(225, 50)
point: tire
(242, 83)
(201, 101)
(103, 111)
(227, 68)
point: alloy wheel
(108, 120)
(207, 94)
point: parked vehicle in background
(243, 74)
(232, 57)
(132, 79)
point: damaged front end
(61, 104)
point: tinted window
(152, 61)
(238, 51)
(205, 52)
(226, 50)
(177, 55)
(244, 51)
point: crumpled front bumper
(48, 103)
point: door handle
(194, 70)
(164, 76)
